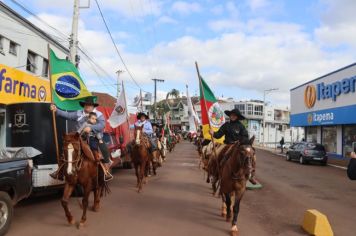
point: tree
(173, 93)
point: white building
(276, 121)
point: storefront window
(2, 128)
(312, 134)
(329, 138)
(349, 137)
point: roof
(321, 77)
(5, 8)
(104, 99)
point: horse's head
(71, 150)
(138, 134)
(244, 152)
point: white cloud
(186, 8)
(217, 10)
(257, 4)
(166, 20)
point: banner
(119, 114)
(17, 86)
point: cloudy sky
(243, 47)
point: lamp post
(264, 112)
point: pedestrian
(234, 131)
(351, 169)
(81, 117)
(282, 144)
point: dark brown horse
(234, 176)
(80, 167)
(140, 156)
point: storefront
(326, 108)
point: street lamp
(264, 111)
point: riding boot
(58, 174)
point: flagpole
(127, 114)
(206, 108)
(54, 123)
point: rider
(81, 117)
(143, 120)
(234, 131)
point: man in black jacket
(235, 131)
(351, 169)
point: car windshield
(316, 147)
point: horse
(233, 178)
(81, 167)
(140, 156)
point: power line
(113, 41)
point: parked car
(15, 185)
(285, 146)
(306, 152)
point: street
(179, 202)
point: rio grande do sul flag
(211, 112)
(68, 87)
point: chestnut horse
(80, 167)
(140, 156)
(234, 176)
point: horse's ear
(252, 140)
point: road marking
(188, 164)
(336, 166)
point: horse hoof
(71, 222)
(223, 215)
(95, 208)
(80, 225)
(234, 231)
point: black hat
(139, 115)
(89, 101)
(236, 112)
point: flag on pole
(68, 87)
(119, 114)
(211, 112)
(193, 118)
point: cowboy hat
(139, 115)
(89, 101)
(236, 112)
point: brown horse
(140, 156)
(234, 176)
(80, 167)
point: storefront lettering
(13, 86)
(326, 91)
(323, 117)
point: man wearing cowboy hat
(143, 120)
(234, 131)
(81, 117)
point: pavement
(178, 202)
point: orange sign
(310, 96)
(17, 86)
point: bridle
(69, 147)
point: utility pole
(73, 42)
(264, 112)
(155, 98)
(118, 82)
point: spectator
(282, 144)
(351, 169)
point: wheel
(302, 160)
(6, 212)
(288, 157)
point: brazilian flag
(68, 88)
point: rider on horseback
(234, 131)
(81, 117)
(142, 120)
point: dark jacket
(233, 131)
(281, 142)
(351, 169)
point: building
(325, 107)
(277, 121)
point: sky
(243, 47)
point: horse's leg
(68, 189)
(223, 206)
(97, 192)
(141, 175)
(238, 196)
(228, 207)
(137, 175)
(85, 202)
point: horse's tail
(105, 189)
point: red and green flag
(211, 112)
(68, 88)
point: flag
(68, 88)
(211, 113)
(193, 118)
(119, 114)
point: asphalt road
(179, 202)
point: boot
(107, 175)
(253, 180)
(58, 174)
